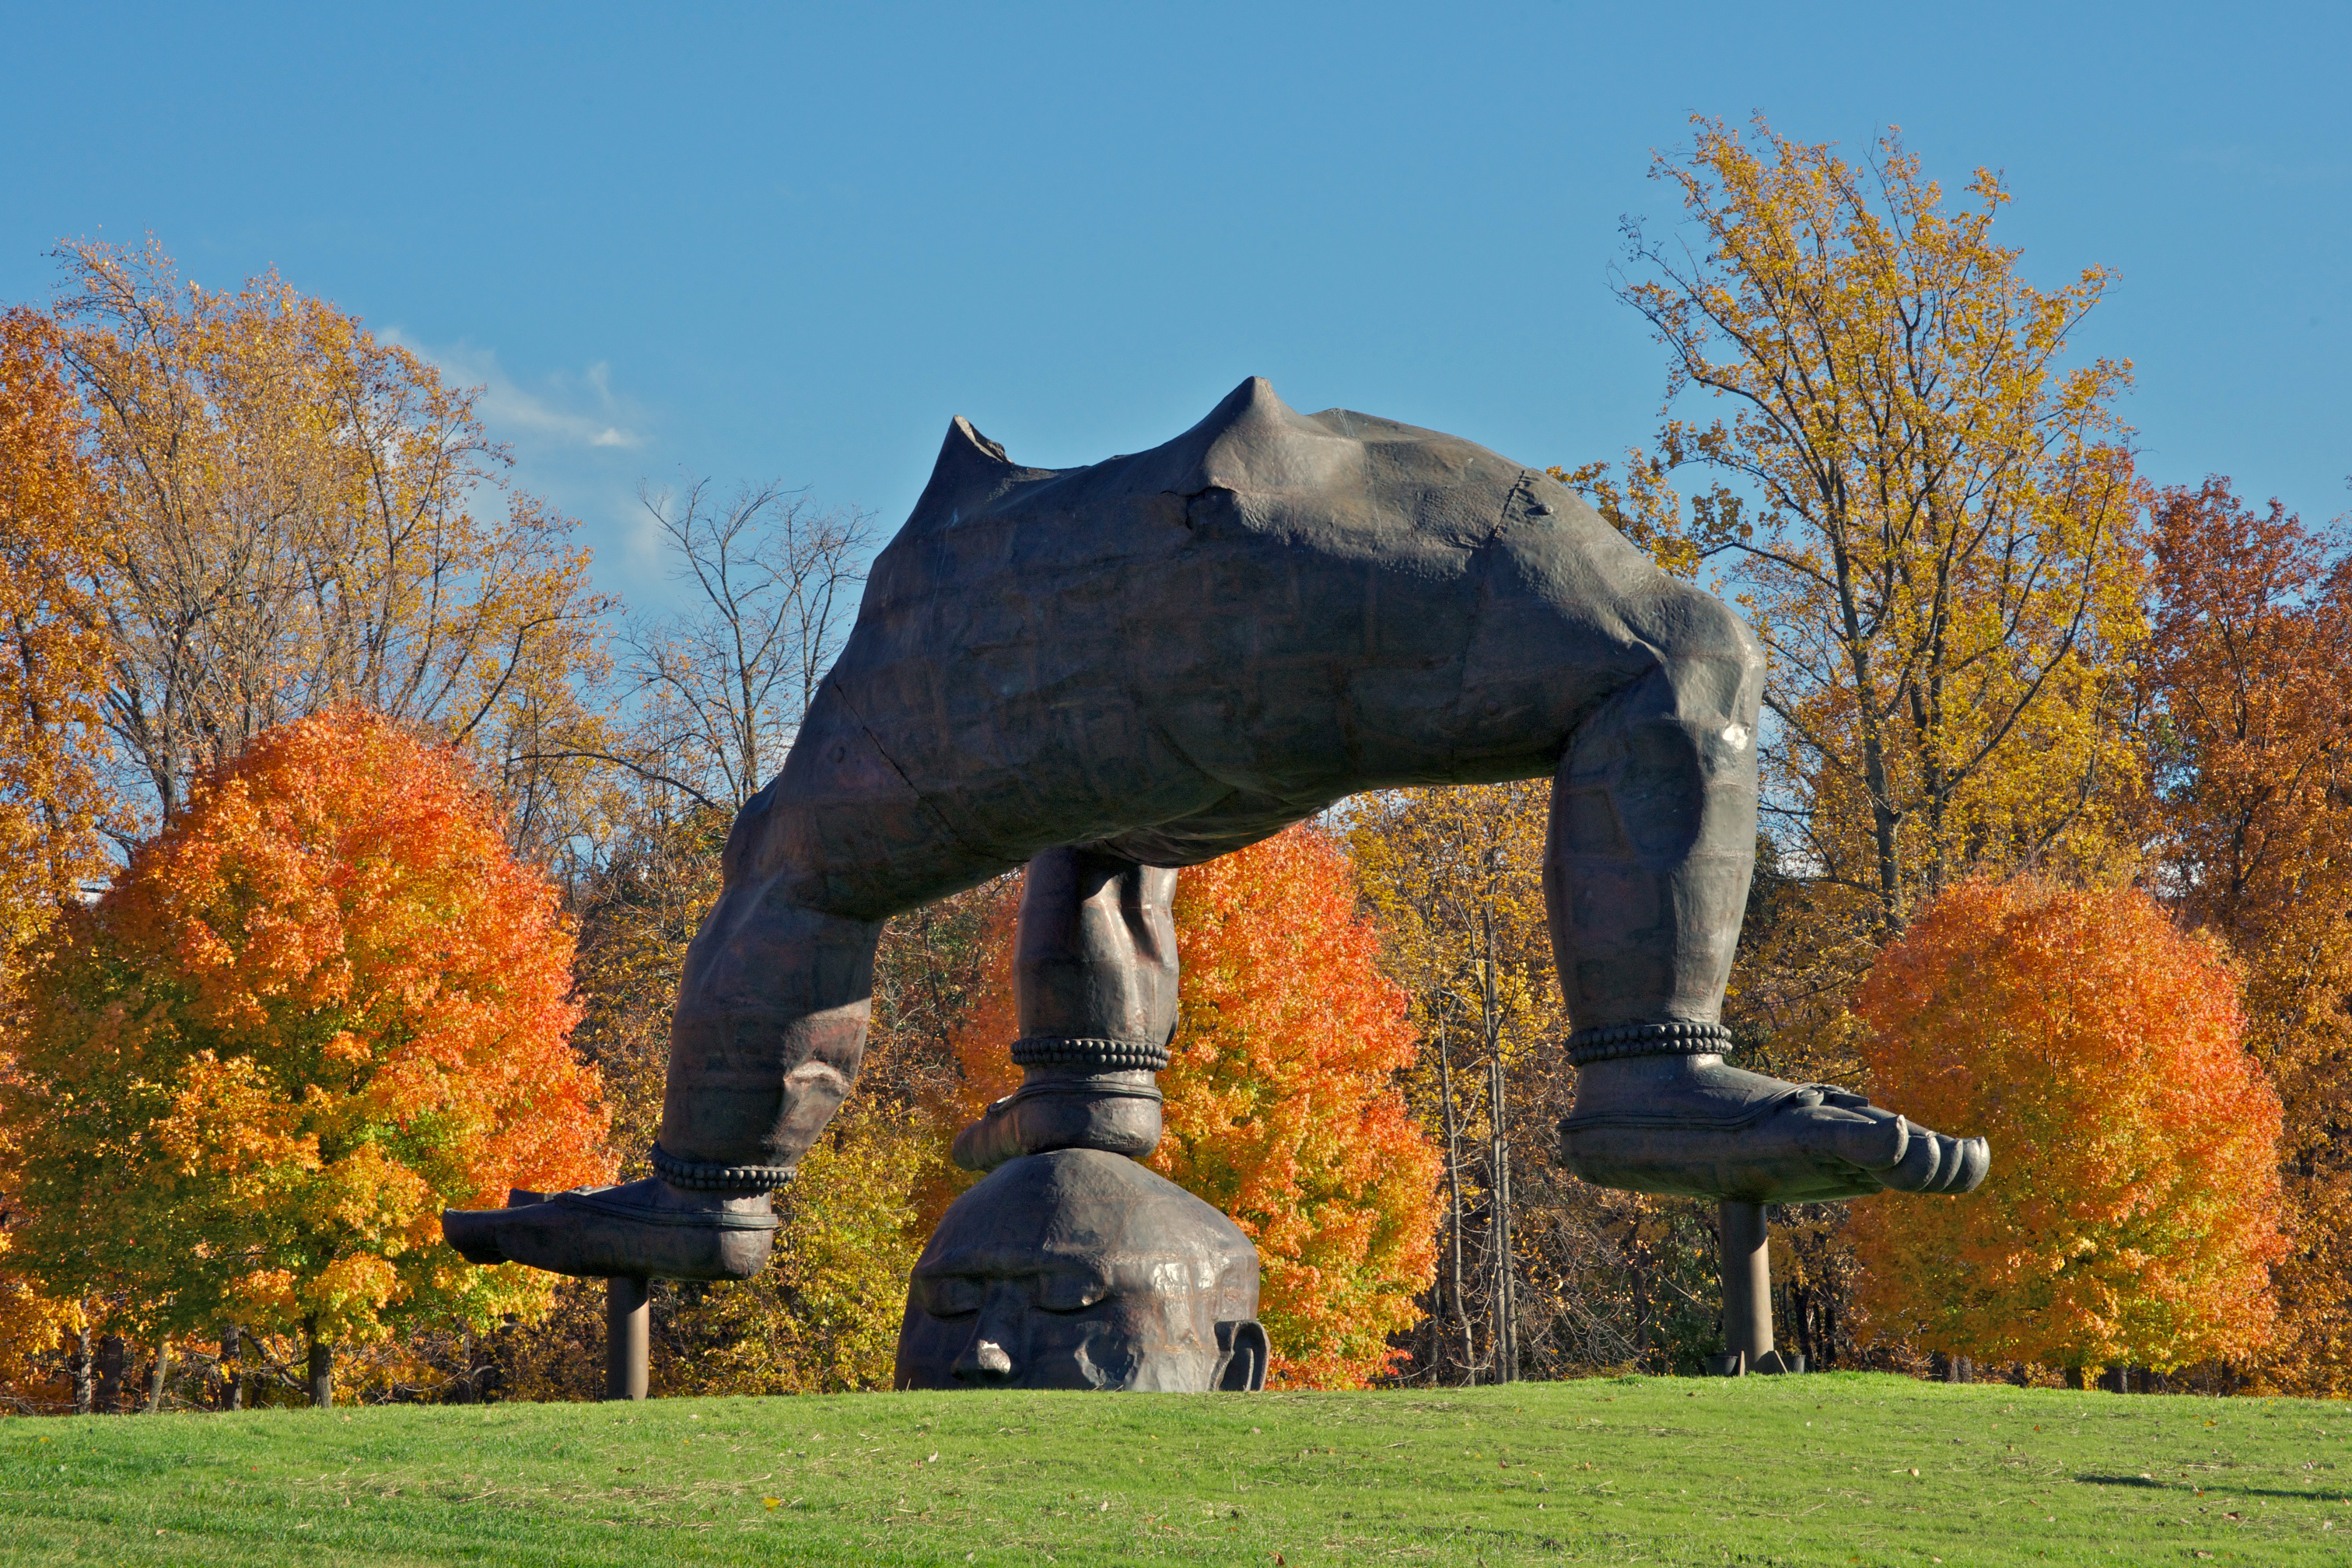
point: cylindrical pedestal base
(627, 1343)
(1747, 1295)
(1747, 1284)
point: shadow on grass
(2211, 1488)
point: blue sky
(790, 242)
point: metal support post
(626, 1341)
(1746, 1270)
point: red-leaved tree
(2247, 688)
(323, 1004)
(2131, 1215)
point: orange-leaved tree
(325, 1004)
(1284, 1107)
(52, 657)
(52, 673)
(2131, 1215)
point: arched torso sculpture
(1150, 661)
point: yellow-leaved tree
(1879, 435)
(1454, 879)
(1927, 512)
(288, 522)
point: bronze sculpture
(1114, 670)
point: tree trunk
(2076, 1380)
(1504, 1336)
(85, 1394)
(322, 1368)
(232, 1363)
(157, 1375)
(1453, 1186)
(110, 1374)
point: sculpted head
(1082, 1270)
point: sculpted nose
(983, 1360)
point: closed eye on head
(962, 1295)
(1065, 1292)
(949, 1295)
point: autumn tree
(1455, 879)
(2246, 692)
(2131, 1215)
(1876, 434)
(1283, 1107)
(52, 671)
(288, 522)
(1927, 513)
(323, 1004)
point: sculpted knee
(1714, 663)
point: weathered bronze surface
(1113, 670)
(1082, 1270)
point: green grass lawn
(1838, 1469)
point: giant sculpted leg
(1653, 840)
(771, 1021)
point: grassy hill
(1840, 1469)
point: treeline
(292, 682)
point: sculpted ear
(1242, 1354)
(970, 469)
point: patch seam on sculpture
(922, 800)
(1518, 486)
(1483, 555)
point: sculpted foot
(1690, 1125)
(649, 1229)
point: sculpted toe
(1868, 1139)
(475, 1233)
(1697, 1127)
(1971, 1161)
